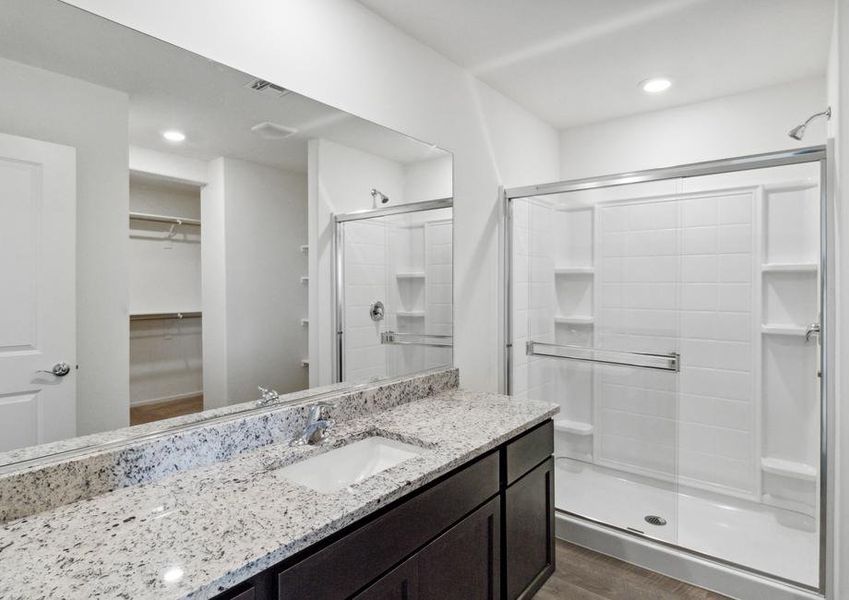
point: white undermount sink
(337, 469)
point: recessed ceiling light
(172, 135)
(655, 85)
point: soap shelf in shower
(573, 427)
(574, 320)
(410, 275)
(788, 468)
(584, 271)
(789, 267)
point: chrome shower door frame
(338, 266)
(812, 154)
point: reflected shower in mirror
(167, 233)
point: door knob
(60, 369)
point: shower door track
(811, 154)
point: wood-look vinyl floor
(147, 413)
(586, 575)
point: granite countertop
(200, 531)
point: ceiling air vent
(273, 131)
(267, 88)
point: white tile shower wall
(440, 285)
(365, 281)
(678, 275)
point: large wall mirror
(175, 234)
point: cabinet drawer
(349, 564)
(529, 450)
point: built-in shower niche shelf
(788, 468)
(804, 267)
(410, 314)
(574, 271)
(584, 320)
(787, 330)
(573, 427)
(410, 275)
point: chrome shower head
(798, 132)
(379, 197)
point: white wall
(352, 52)
(254, 220)
(54, 108)
(341, 179)
(748, 123)
(428, 179)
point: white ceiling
(170, 88)
(580, 61)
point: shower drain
(655, 520)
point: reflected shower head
(379, 197)
(798, 132)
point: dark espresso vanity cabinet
(482, 532)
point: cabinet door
(529, 531)
(399, 584)
(464, 563)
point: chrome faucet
(268, 395)
(318, 425)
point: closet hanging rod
(137, 216)
(163, 316)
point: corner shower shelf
(305, 322)
(789, 267)
(587, 271)
(573, 427)
(305, 280)
(305, 363)
(789, 330)
(410, 275)
(305, 249)
(574, 320)
(411, 314)
(788, 468)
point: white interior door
(37, 291)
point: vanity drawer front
(347, 565)
(529, 450)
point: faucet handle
(267, 395)
(320, 410)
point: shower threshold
(773, 541)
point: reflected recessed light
(655, 85)
(172, 575)
(172, 135)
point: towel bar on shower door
(416, 339)
(644, 360)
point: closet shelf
(789, 267)
(137, 216)
(574, 320)
(790, 330)
(411, 314)
(410, 275)
(788, 468)
(574, 271)
(164, 315)
(573, 427)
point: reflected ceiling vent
(267, 88)
(273, 131)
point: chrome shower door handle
(813, 329)
(60, 369)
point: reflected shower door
(597, 297)
(397, 294)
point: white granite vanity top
(200, 531)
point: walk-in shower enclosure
(680, 319)
(393, 282)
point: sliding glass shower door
(676, 323)
(394, 290)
